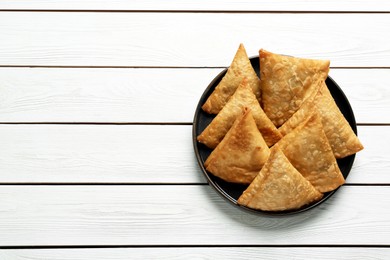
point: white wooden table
(96, 106)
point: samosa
(239, 69)
(286, 82)
(341, 137)
(279, 187)
(308, 150)
(241, 154)
(220, 125)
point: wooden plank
(217, 5)
(137, 154)
(101, 95)
(149, 95)
(182, 215)
(188, 39)
(198, 253)
(367, 92)
(89, 153)
(371, 164)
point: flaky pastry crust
(239, 69)
(286, 82)
(243, 97)
(242, 152)
(278, 187)
(308, 150)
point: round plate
(232, 191)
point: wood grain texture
(137, 154)
(101, 95)
(217, 5)
(198, 253)
(149, 95)
(371, 164)
(90, 153)
(182, 215)
(367, 92)
(95, 61)
(188, 39)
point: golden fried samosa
(279, 186)
(302, 114)
(342, 138)
(340, 135)
(243, 97)
(241, 154)
(308, 150)
(239, 69)
(286, 82)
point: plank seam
(108, 67)
(103, 184)
(373, 124)
(196, 246)
(149, 184)
(194, 11)
(154, 67)
(368, 184)
(97, 123)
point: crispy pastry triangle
(302, 114)
(243, 97)
(241, 154)
(240, 68)
(308, 150)
(286, 82)
(278, 186)
(341, 137)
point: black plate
(231, 191)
